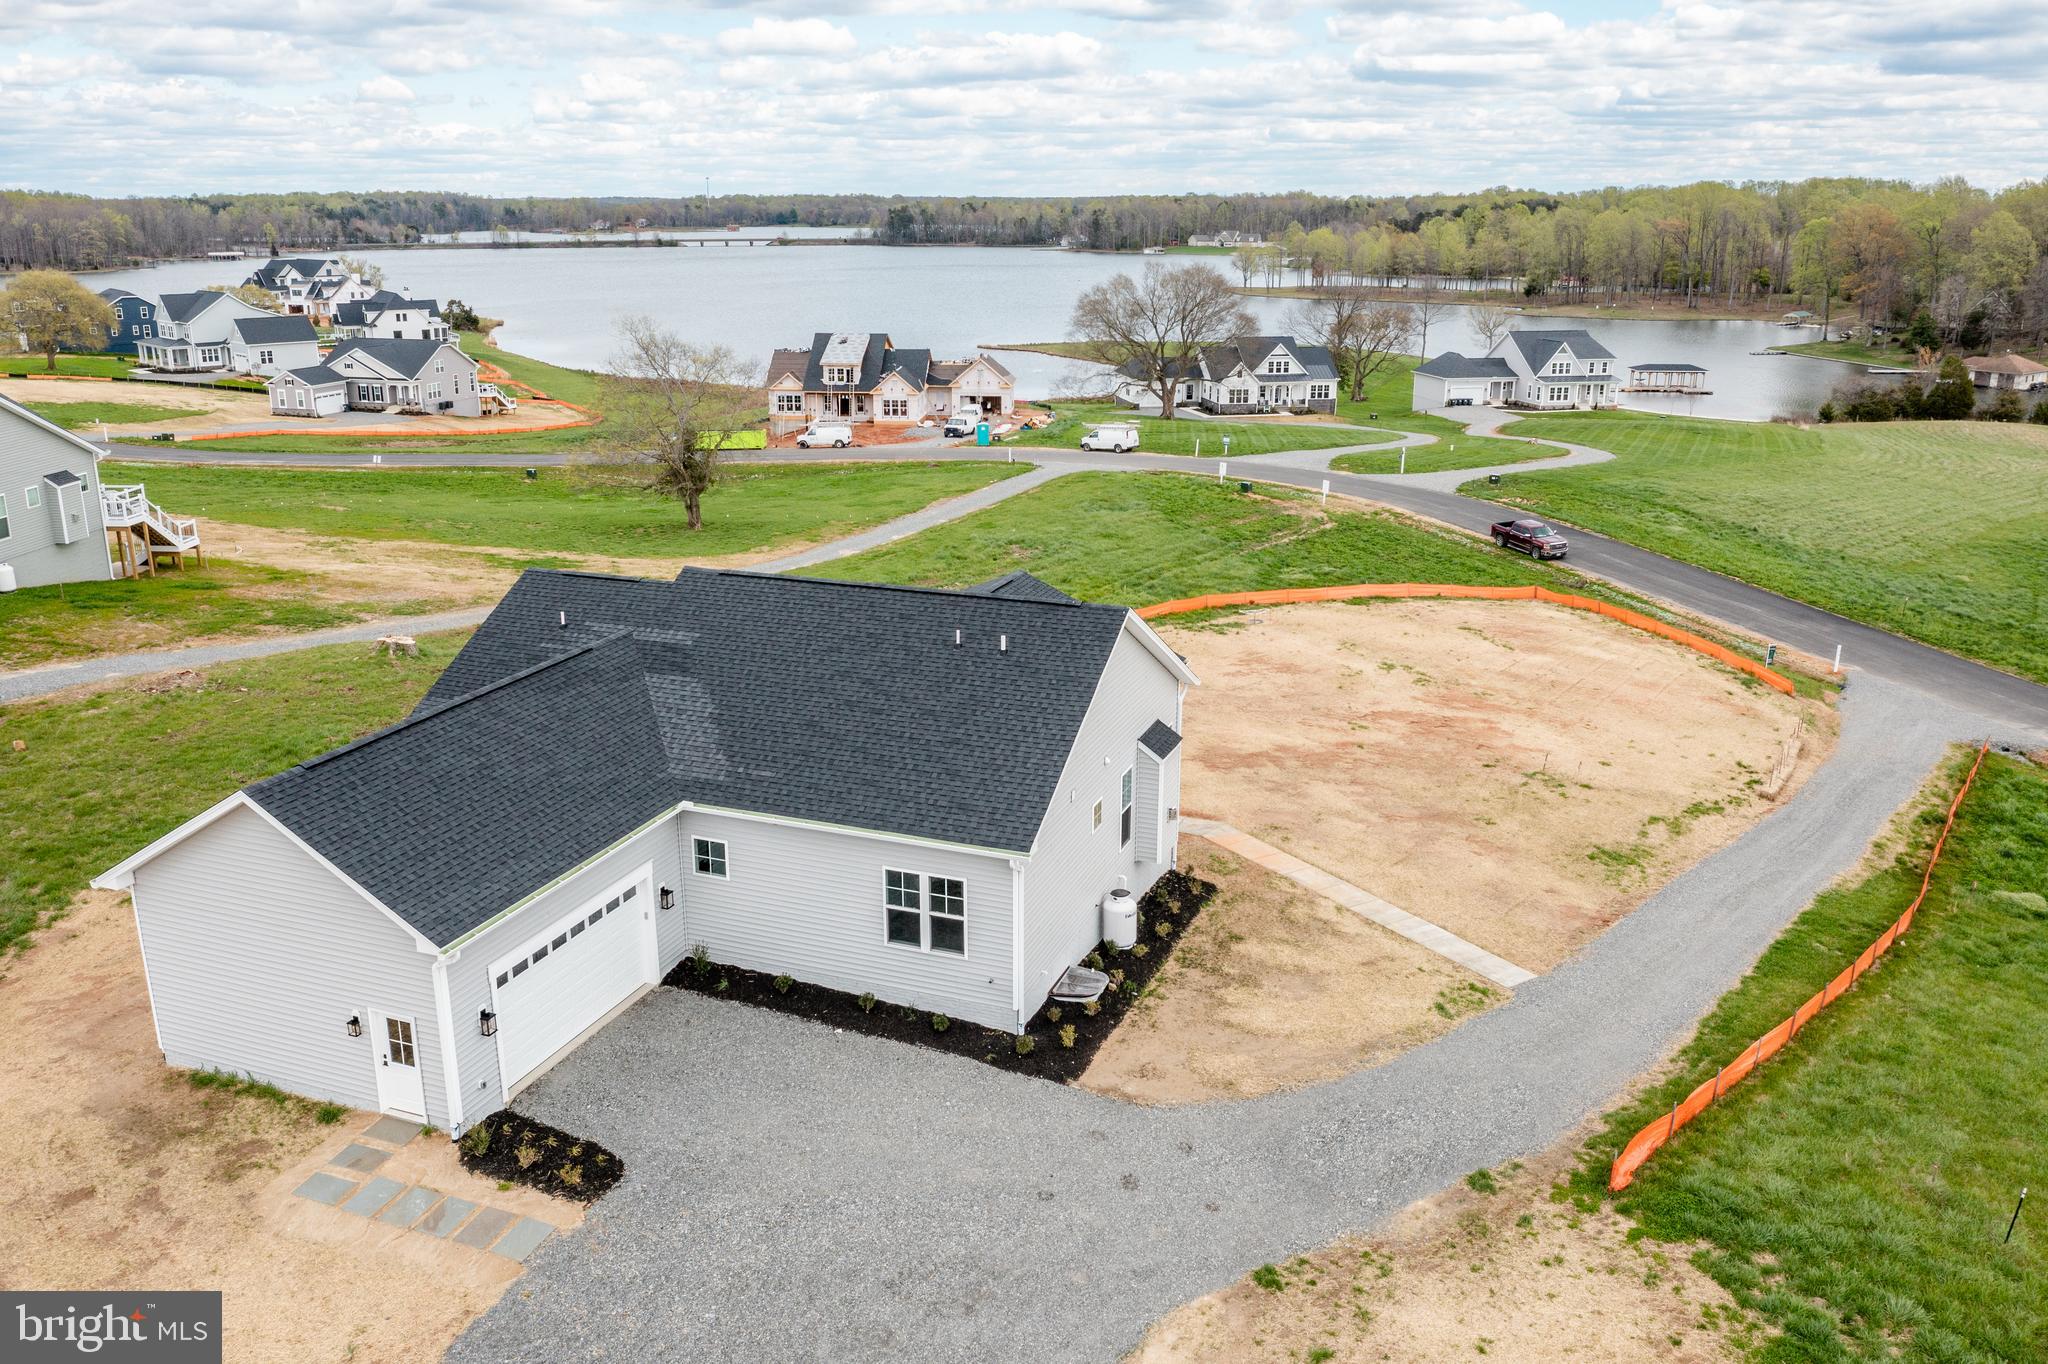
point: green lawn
(97, 366)
(1851, 351)
(1929, 529)
(574, 511)
(79, 416)
(177, 606)
(98, 778)
(1388, 402)
(1854, 1191)
(1182, 435)
(1139, 538)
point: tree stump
(394, 645)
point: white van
(1120, 437)
(838, 435)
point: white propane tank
(7, 578)
(1120, 918)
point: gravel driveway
(795, 1193)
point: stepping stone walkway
(419, 1208)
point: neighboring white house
(917, 793)
(304, 284)
(270, 344)
(389, 316)
(2007, 371)
(196, 332)
(862, 377)
(60, 524)
(1246, 374)
(1542, 369)
(422, 376)
(311, 391)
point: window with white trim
(708, 856)
(4, 530)
(1096, 818)
(789, 402)
(1277, 365)
(1126, 796)
(1238, 395)
(32, 497)
(928, 913)
(896, 407)
(1318, 392)
(835, 374)
(266, 357)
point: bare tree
(1145, 326)
(675, 408)
(255, 295)
(372, 275)
(1427, 311)
(1490, 322)
(1362, 335)
(52, 311)
(1248, 260)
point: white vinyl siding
(41, 549)
(812, 903)
(257, 956)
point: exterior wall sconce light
(487, 1023)
(355, 1026)
(668, 898)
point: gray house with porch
(917, 793)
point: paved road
(795, 1193)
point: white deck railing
(128, 504)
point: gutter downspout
(1017, 865)
(451, 1079)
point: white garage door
(327, 404)
(566, 978)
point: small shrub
(724, 984)
(477, 1140)
(1092, 1007)
(1052, 1015)
(1162, 927)
(527, 1156)
(867, 1002)
(1140, 950)
(1067, 1036)
(940, 1022)
(782, 984)
(1269, 1278)
(572, 1175)
(1093, 960)
(1025, 1046)
(700, 960)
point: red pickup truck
(1537, 539)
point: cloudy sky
(1002, 96)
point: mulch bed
(512, 1146)
(1061, 1038)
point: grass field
(188, 606)
(1182, 435)
(1851, 351)
(1138, 538)
(1855, 1190)
(576, 511)
(79, 416)
(1929, 529)
(92, 366)
(1387, 403)
(99, 778)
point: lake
(562, 305)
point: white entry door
(571, 974)
(396, 1047)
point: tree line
(1886, 248)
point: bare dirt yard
(1490, 1267)
(208, 408)
(1274, 987)
(123, 1173)
(1520, 774)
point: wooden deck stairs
(140, 534)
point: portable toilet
(981, 433)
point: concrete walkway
(938, 513)
(1364, 903)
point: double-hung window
(708, 856)
(789, 402)
(1125, 796)
(895, 407)
(4, 530)
(928, 912)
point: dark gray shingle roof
(1664, 368)
(275, 330)
(1017, 583)
(841, 703)
(409, 357)
(1161, 738)
(63, 478)
(185, 307)
(1452, 365)
(316, 375)
(1538, 346)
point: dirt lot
(1273, 988)
(1520, 774)
(122, 1174)
(1509, 1275)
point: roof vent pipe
(565, 619)
(1002, 644)
(956, 638)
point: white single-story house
(917, 793)
(1245, 374)
(1563, 368)
(310, 391)
(2007, 371)
(270, 345)
(196, 331)
(60, 524)
(863, 377)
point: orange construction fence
(1647, 1142)
(1287, 595)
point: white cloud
(385, 89)
(787, 38)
